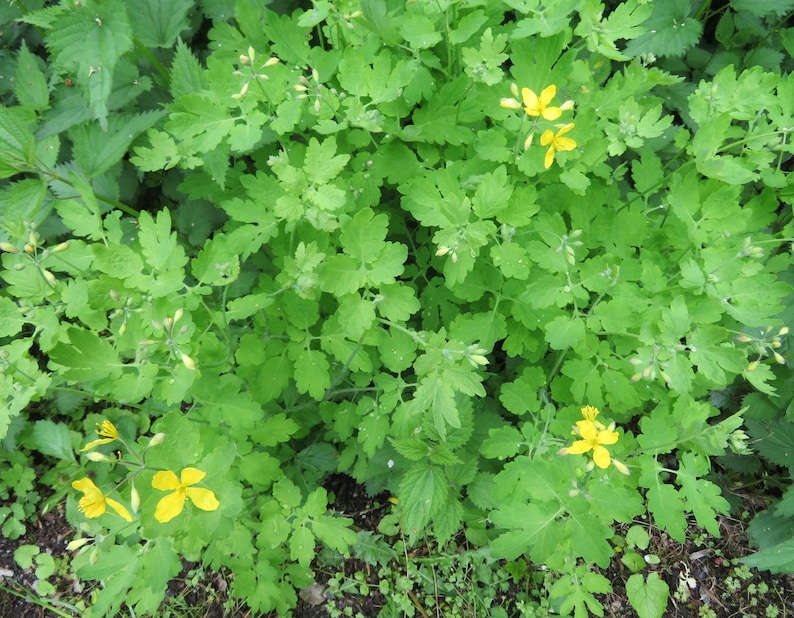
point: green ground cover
(519, 271)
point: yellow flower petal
(579, 447)
(109, 433)
(549, 158)
(601, 457)
(191, 476)
(165, 480)
(203, 498)
(119, 508)
(564, 143)
(170, 506)
(547, 137)
(548, 94)
(94, 443)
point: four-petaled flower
(107, 430)
(556, 143)
(94, 503)
(594, 435)
(172, 505)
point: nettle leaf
(186, 72)
(88, 42)
(53, 439)
(30, 85)
(96, 149)
(423, 492)
(17, 144)
(158, 24)
(762, 8)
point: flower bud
(61, 247)
(244, 60)
(514, 89)
(528, 141)
(743, 338)
(272, 61)
(315, 76)
(187, 361)
(178, 315)
(135, 499)
(123, 328)
(76, 544)
(752, 366)
(29, 247)
(479, 359)
(779, 359)
(94, 456)
(567, 105)
(8, 247)
(509, 103)
(442, 251)
(49, 277)
(783, 330)
(157, 438)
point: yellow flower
(593, 436)
(172, 505)
(535, 105)
(106, 429)
(556, 143)
(94, 503)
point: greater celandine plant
(425, 244)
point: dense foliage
(412, 242)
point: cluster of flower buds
(307, 88)
(248, 60)
(766, 344)
(36, 254)
(168, 326)
(567, 244)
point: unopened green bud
(135, 499)
(8, 247)
(783, 331)
(97, 457)
(49, 277)
(478, 359)
(76, 544)
(752, 366)
(779, 358)
(187, 361)
(272, 61)
(157, 438)
(61, 247)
